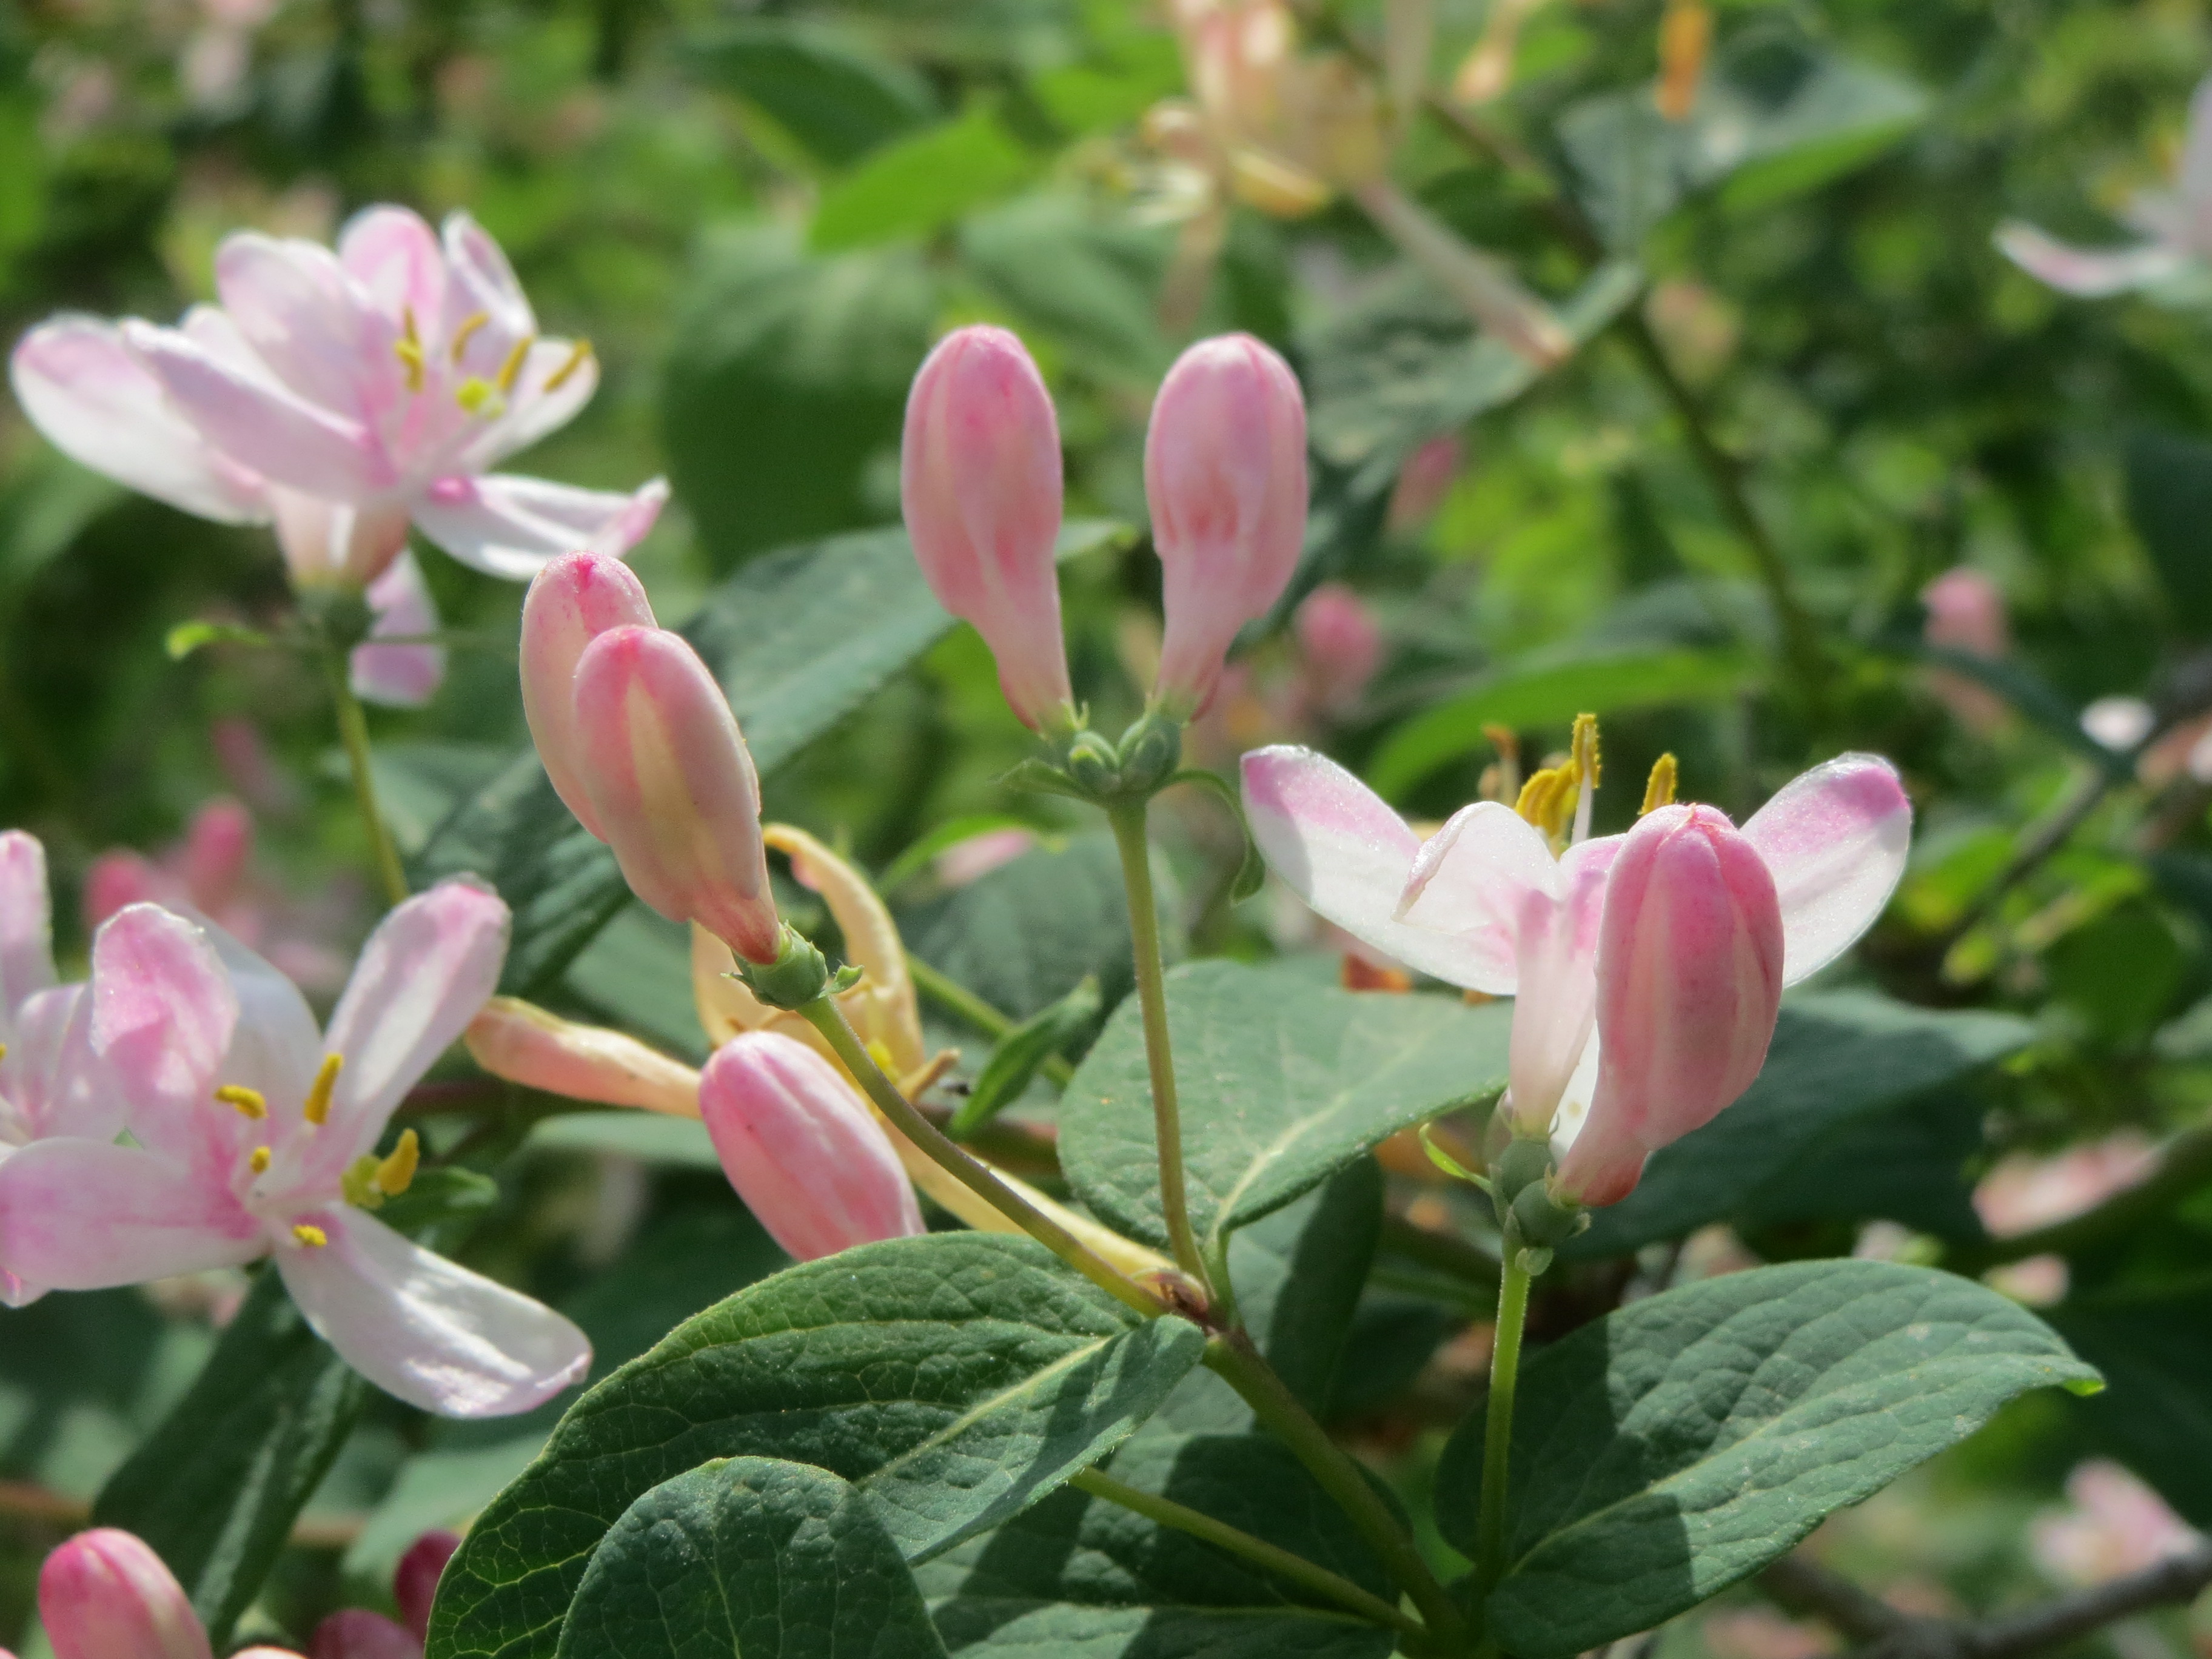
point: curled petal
(523, 1043)
(27, 930)
(1473, 880)
(1835, 839)
(2092, 274)
(509, 526)
(426, 1331)
(89, 1215)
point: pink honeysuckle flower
(1340, 648)
(2113, 1526)
(2024, 1193)
(255, 1136)
(104, 1595)
(2176, 222)
(1423, 482)
(1225, 478)
(980, 485)
(803, 1149)
(1966, 613)
(1487, 904)
(50, 1083)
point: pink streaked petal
(106, 1595)
(163, 1014)
(277, 1047)
(1835, 839)
(2091, 273)
(430, 1332)
(481, 278)
(523, 1043)
(88, 1215)
(575, 598)
(425, 973)
(27, 930)
(51, 1078)
(395, 258)
(1336, 845)
(309, 322)
(509, 526)
(102, 408)
(537, 406)
(1473, 880)
(283, 436)
(399, 675)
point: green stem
(1128, 822)
(352, 729)
(1235, 1360)
(1222, 1536)
(959, 1001)
(827, 1018)
(1498, 1426)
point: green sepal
(1038, 777)
(337, 617)
(187, 637)
(1450, 1165)
(1252, 870)
(1020, 1052)
(799, 974)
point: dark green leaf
(1018, 1055)
(2155, 1348)
(753, 1557)
(637, 973)
(1283, 1083)
(921, 184)
(1907, 1164)
(835, 97)
(1679, 1445)
(215, 1488)
(1298, 1274)
(2170, 504)
(1077, 1575)
(955, 1378)
(1836, 1057)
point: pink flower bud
(802, 1148)
(524, 1044)
(414, 1582)
(1689, 981)
(1226, 476)
(356, 1633)
(217, 848)
(671, 787)
(574, 600)
(1340, 647)
(980, 480)
(1966, 613)
(104, 1595)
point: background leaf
(822, 86)
(921, 184)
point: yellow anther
(1547, 797)
(513, 366)
(879, 1051)
(470, 324)
(578, 355)
(3, 1051)
(311, 1235)
(1685, 36)
(410, 356)
(259, 1162)
(249, 1101)
(397, 1172)
(1660, 791)
(476, 393)
(317, 1110)
(1584, 749)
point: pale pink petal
(277, 1047)
(49, 1077)
(102, 408)
(2090, 274)
(423, 975)
(284, 437)
(163, 1013)
(477, 270)
(218, 846)
(1473, 880)
(26, 950)
(357, 1633)
(556, 380)
(399, 675)
(89, 1215)
(509, 526)
(1337, 846)
(308, 321)
(426, 1331)
(395, 258)
(524, 1044)
(1835, 839)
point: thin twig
(23, 1500)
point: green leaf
(2155, 1348)
(215, 1488)
(1078, 1575)
(1284, 1083)
(1018, 1055)
(1552, 691)
(1837, 1058)
(1023, 935)
(1677, 1445)
(921, 184)
(954, 1378)
(419, 784)
(1090, 283)
(1904, 1162)
(637, 973)
(649, 1137)
(753, 1556)
(786, 386)
(1298, 1274)
(835, 97)
(2169, 503)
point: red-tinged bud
(104, 1595)
(671, 786)
(414, 1581)
(1689, 971)
(1340, 647)
(980, 480)
(1226, 476)
(572, 601)
(802, 1148)
(356, 1633)
(524, 1044)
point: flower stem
(1498, 1427)
(1168, 1513)
(352, 729)
(826, 1017)
(1239, 1364)
(1128, 822)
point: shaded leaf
(2170, 503)
(921, 184)
(1090, 283)
(2155, 1348)
(1018, 1057)
(834, 96)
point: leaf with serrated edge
(1676, 1446)
(1283, 1083)
(954, 1378)
(754, 1555)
